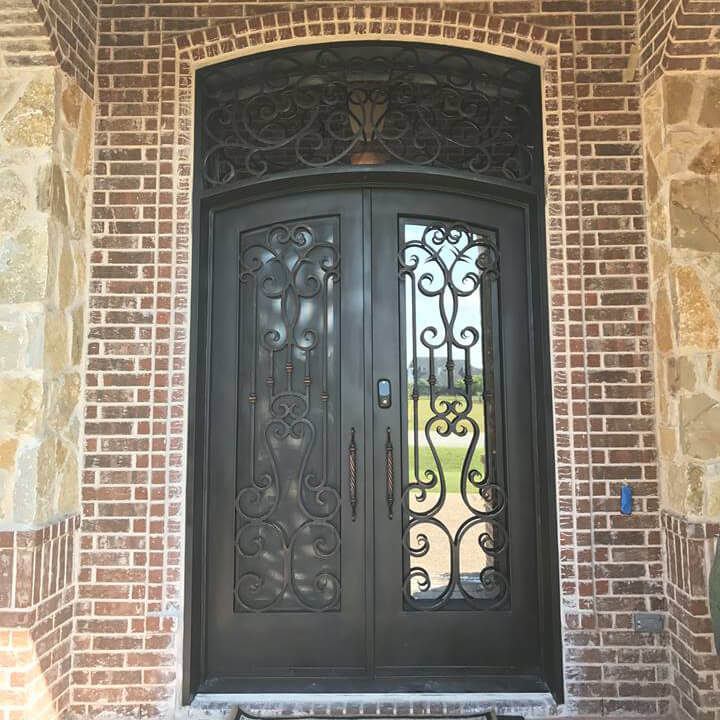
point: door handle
(389, 479)
(352, 474)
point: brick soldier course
(104, 634)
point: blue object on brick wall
(626, 504)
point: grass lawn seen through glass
(452, 450)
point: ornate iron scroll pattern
(442, 267)
(411, 106)
(287, 501)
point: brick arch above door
(336, 23)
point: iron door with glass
(456, 575)
(285, 600)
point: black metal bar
(352, 468)
(389, 479)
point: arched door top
(367, 105)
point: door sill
(275, 705)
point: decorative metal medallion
(287, 504)
(366, 104)
(454, 522)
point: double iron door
(371, 510)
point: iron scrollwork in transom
(369, 104)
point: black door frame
(529, 199)
(546, 526)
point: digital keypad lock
(384, 393)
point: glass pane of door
(453, 534)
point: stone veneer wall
(681, 115)
(45, 141)
(46, 124)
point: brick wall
(35, 33)
(130, 595)
(23, 40)
(37, 594)
(690, 549)
(678, 35)
(655, 20)
(71, 27)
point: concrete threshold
(274, 705)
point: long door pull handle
(352, 469)
(389, 480)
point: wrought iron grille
(287, 533)
(368, 104)
(448, 269)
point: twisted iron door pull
(389, 484)
(352, 461)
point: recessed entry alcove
(371, 474)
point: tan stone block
(13, 199)
(58, 203)
(43, 183)
(69, 490)
(673, 379)
(653, 123)
(659, 261)
(10, 92)
(708, 266)
(13, 341)
(710, 107)
(658, 220)
(675, 489)
(681, 149)
(80, 259)
(686, 374)
(694, 220)
(707, 160)
(21, 406)
(84, 141)
(8, 448)
(667, 437)
(677, 93)
(695, 323)
(57, 351)
(652, 181)
(700, 426)
(35, 482)
(24, 265)
(704, 367)
(712, 498)
(7, 484)
(661, 391)
(77, 206)
(35, 324)
(663, 319)
(78, 335)
(67, 287)
(30, 122)
(695, 498)
(64, 401)
(72, 101)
